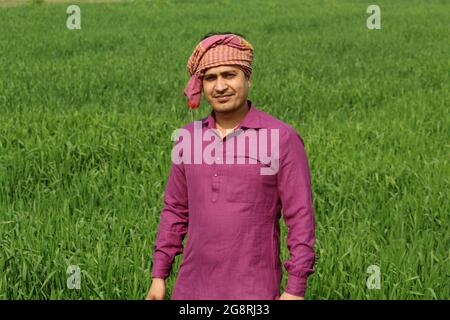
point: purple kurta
(230, 214)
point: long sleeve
(294, 186)
(173, 223)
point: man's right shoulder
(191, 125)
(187, 128)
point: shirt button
(218, 158)
(215, 174)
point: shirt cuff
(161, 269)
(296, 285)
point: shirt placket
(217, 174)
(219, 169)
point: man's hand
(157, 290)
(288, 296)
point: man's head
(220, 65)
(226, 88)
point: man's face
(225, 88)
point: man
(230, 211)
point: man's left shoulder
(286, 130)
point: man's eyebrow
(222, 73)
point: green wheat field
(86, 118)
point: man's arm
(294, 186)
(173, 227)
(173, 223)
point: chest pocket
(246, 183)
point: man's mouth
(224, 98)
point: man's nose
(221, 84)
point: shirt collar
(251, 119)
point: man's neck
(231, 119)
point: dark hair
(218, 33)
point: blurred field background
(39, 2)
(86, 118)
